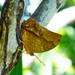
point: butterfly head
(29, 22)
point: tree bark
(10, 22)
(46, 11)
(11, 15)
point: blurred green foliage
(37, 68)
(67, 44)
(0, 8)
(70, 3)
(67, 4)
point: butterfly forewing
(36, 38)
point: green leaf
(17, 69)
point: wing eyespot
(39, 29)
(41, 34)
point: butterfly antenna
(30, 15)
(40, 60)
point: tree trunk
(11, 15)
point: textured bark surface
(11, 15)
(46, 11)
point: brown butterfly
(37, 39)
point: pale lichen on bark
(11, 15)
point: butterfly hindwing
(36, 38)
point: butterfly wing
(38, 39)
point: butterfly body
(36, 38)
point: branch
(46, 11)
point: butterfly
(37, 39)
